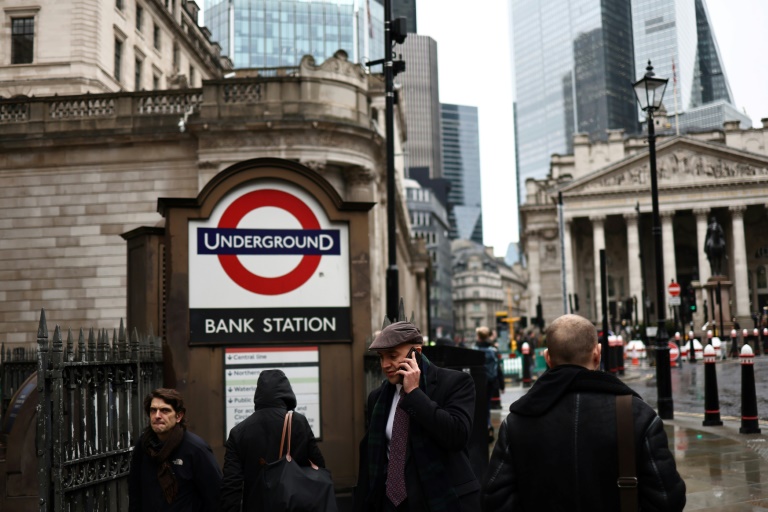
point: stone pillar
(633, 258)
(598, 243)
(701, 236)
(668, 243)
(568, 258)
(534, 272)
(739, 255)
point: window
(118, 57)
(191, 76)
(119, 4)
(155, 82)
(137, 76)
(139, 17)
(175, 56)
(156, 36)
(22, 40)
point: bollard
(765, 340)
(711, 400)
(612, 365)
(756, 341)
(748, 395)
(620, 353)
(683, 347)
(745, 338)
(692, 348)
(634, 352)
(734, 351)
(526, 350)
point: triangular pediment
(680, 163)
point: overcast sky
(476, 69)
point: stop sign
(673, 289)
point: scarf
(159, 452)
(427, 456)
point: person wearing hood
(558, 448)
(414, 455)
(255, 441)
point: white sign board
(673, 301)
(243, 365)
(268, 266)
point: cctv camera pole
(389, 78)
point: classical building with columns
(606, 190)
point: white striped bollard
(711, 400)
(749, 418)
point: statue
(714, 247)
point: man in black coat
(414, 455)
(256, 441)
(557, 449)
(172, 469)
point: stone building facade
(79, 171)
(99, 46)
(607, 205)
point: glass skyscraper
(278, 33)
(574, 66)
(461, 167)
(677, 37)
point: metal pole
(562, 250)
(604, 360)
(393, 294)
(663, 376)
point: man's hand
(411, 373)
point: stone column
(633, 258)
(668, 243)
(534, 272)
(701, 236)
(739, 254)
(598, 243)
(568, 258)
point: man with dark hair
(414, 455)
(172, 469)
(558, 447)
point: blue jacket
(198, 477)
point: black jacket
(557, 449)
(443, 408)
(257, 439)
(197, 475)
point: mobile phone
(413, 351)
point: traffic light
(692, 299)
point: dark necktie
(396, 468)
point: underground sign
(268, 266)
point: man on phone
(414, 455)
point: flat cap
(396, 334)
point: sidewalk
(723, 470)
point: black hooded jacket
(557, 449)
(256, 441)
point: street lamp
(650, 91)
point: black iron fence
(90, 415)
(16, 365)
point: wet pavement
(723, 469)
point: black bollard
(526, 350)
(711, 400)
(765, 341)
(745, 338)
(620, 353)
(748, 395)
(734, 344)
(612, 365)
(756, 341)
(692, 349)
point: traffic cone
(635, 353)
(748, 395)
(711, 400)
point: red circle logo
(244, 277)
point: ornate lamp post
(650, 91)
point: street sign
(674, 300)
(674, 351)
(673, 289)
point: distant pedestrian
(484, 343)
(557, 449)
(256, 441)
(172, 469)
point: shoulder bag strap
(286, 423)
(625, 427)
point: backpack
(491, 363)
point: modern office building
(677, 37)
(278, 33)
(422, 104)
(461, 167)
(573, 64)
(429, 222)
